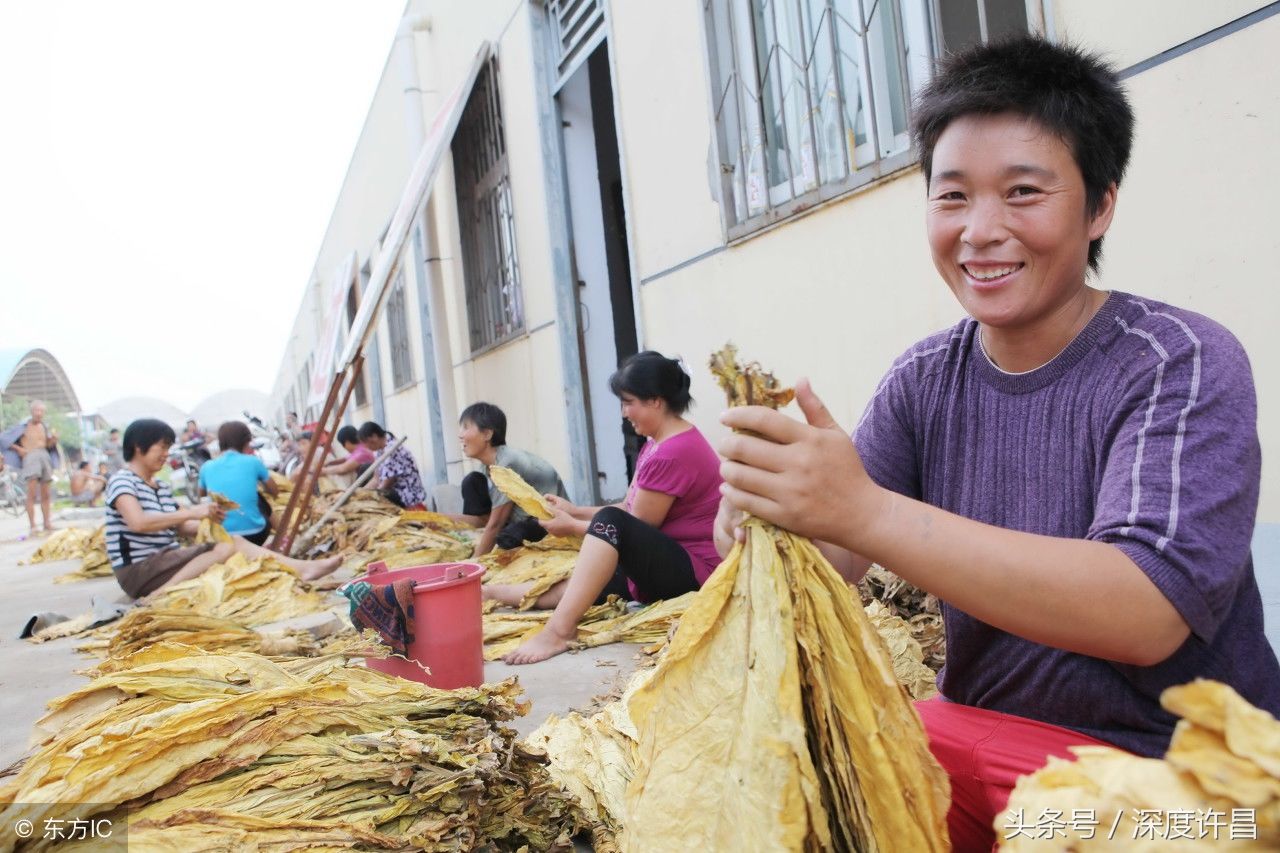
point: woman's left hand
(560, 524)
(805, 478)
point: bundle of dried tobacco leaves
(1218, 786)
(775, 720)
(89, 546)
(233, 751)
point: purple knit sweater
(1142, 434)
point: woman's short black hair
(1073, 94)
(651, 375)
(234, 435)
(487, 416)
(348, 435)
(368, 429)
(143, 434)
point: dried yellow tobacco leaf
(210, 531)
(68, 543)
(778, 683)
(251, 592)
(223, 501)
(521, 493)
(235, 752)
(1219, 780)
(544, 564)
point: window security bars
(812, 97)
(398, 336)
(495, 308)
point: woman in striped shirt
(143, 522)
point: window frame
(913, 21)
(486, 218)
(399, 346)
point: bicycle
(13, 495)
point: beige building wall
(523, 375)
(515, 374)
(836, 294)
(839, 292)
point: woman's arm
(346, 466)
(569, 508)
(140, 521)
(498, 518)
(652, 507)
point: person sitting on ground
(358, 456)
(398, 476)
(104, 471)
(483, 434)
(143, 522)
(658, 543)
(236, 474)
(86, 485)
(295, 466)
(1074, 473)
(33, 447)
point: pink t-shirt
(361, 455)
(685, 467)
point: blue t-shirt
(237, 475)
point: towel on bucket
(387, 609)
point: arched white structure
(34, 374)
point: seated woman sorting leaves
(659, 542)
(143, 522)
(482, 432)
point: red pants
(984, 753)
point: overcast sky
(167, 170)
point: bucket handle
(376, 568)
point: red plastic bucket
(448, 631)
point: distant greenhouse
(34, 374)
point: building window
(812, 97)
(495, 309)
(353, 306)
(398, 336)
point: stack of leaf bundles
(775, 721)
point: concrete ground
(32, 674)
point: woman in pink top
(655, 544)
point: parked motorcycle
(185, 459)
(267, 441)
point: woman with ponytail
(658, 542)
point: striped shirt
(124, 546)
(1142, 434)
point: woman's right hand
(559, 504)
(199, 512)
(728, 529)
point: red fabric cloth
(984, 753)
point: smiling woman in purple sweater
(1074, 473)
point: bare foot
(547, 643)
(320, 568)
(510, 594)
